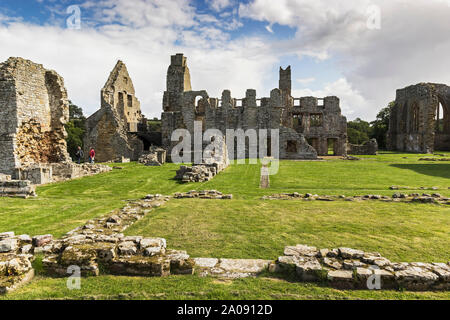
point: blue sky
(237, 45)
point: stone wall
(17, 188)
(34, 109)
(368, 148)
(322, 123)
(111, 130)
(413, 126)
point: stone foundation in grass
(207, 194)
(435, 198)
(346, 268)
(99, 246)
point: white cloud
(85, 57)
(353, 105)
(412, 45)
(219, 5)
(305, 81)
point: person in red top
(92, 155)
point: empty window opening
(440, 118)
(291, 146)
(130, 101)
(316, 120)
(298, 118)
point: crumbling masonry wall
(33, 110)
(114, 129)
(182, 107)
(413, 125)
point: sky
(358, 50)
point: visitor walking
(92, 155)
(79, 155)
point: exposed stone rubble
(101, 243)
(435, 198)
(417, 123)
(16, 256)
(154, 157)
(346, 268)
(206, 194)
(368, 148)
(198, 173)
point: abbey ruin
(308, 126)
(420, 119)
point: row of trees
(360, 131)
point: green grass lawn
(402, 232)
(196, 288)
(247, 227)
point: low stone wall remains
(100, 245)
(368, 148)
(16, 188)
(435, 198)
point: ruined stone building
(299, 120)
(118, 129)
(33, 110)
(420, 119)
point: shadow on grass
(434, 170)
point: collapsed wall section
(33, 110)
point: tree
(380, 126)
(358, 131)
(75, 129)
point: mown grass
(247, 227)
(197, 288)
(62, 206)
(372, 175)
(261, 229)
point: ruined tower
(285, 83)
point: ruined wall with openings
(113, 130)
(420, 119)
(182, 107)
(33, 110)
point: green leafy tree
(358, 131)
(75, 129)
(380, 126)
